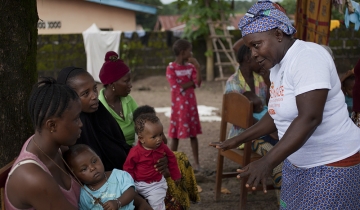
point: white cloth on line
(154, 193)
(97, 43)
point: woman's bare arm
(30, 186)
(264, 126)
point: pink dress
(184, 119)
(72, 195)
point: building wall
(75, 16)
(149, 55)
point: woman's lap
(186, 191)
(322, 187)
(261, 147)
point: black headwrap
(65, 73)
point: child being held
(259, 110)
(150, 183)
(113, 189)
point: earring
(113, 89)
(279, 40)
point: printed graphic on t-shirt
(276, 97)
(186, 72)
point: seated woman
(355, 115)
(248, 79)
(347, 85)
(100, 131)
(115, 75)
(259, 110)
(39, 178)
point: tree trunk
(18, 40)
(209, 61)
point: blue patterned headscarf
(264, 16)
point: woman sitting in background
(251, 77)
(347, 85)
(355, 115)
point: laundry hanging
(97, 43)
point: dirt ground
(155, 92)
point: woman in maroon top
(355, 116)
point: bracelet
(118, 203)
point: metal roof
(170, 22)
(167, 22)
(127, 5)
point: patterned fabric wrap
(321, 187)
(179, 197)
(355, 116)
(264, 16)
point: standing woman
(319, 144)
(115, 76)
(39, 179)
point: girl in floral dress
(184, 76)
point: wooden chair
(237, 110)
(4, 171)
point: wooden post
(209, 61)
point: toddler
(109, 190)
(259, 110)
(183, 76)
(140, 162)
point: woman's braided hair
(49, 99)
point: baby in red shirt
(141, 160)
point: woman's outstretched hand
(257, 172)
(225, 145)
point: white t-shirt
(305, 67)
